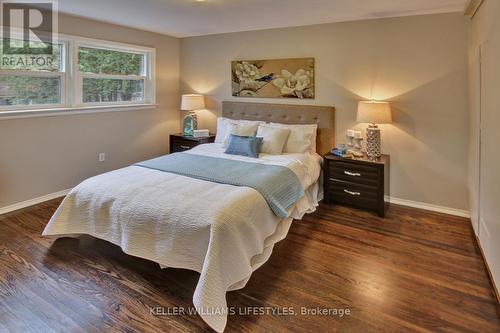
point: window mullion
(77, 80)
(68, 51)
(18, 72)
(113, 77)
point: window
(109, 76)
(81, 73)
(27, 80)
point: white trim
(108, 104)
(73, 111)
(34, 201)
(495, 288)
(427, 206)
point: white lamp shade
(191, 102)
(374, 112)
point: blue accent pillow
(244, 145)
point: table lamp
(374, 113)
(191, 103)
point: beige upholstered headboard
(324, 116)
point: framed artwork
(275, 78)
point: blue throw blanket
(279, 186)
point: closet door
(489, 211)
(474, 135)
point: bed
(222, 231)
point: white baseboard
(426, 206)
(492, 278)
(397, 201)
(32, 202)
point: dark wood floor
(413, 271)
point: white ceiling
(184, 18)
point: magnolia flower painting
(280, 78)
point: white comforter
(224, 232)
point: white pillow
(274, 139)
(250, 122)
(241, 130)
(302, 137)
(224, 127)
(244, 130)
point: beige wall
(43, 155)
(418, 63)
(485, 120)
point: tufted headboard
(324, 116)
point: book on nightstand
(340, 151)
(203, 133)
(340, 154)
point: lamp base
(189, 123)
(373, 149)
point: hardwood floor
(413, 271)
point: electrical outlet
(102, 157)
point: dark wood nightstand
(358, 182)
(179, 142)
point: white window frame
(72, 79)
(148, 73)
(62, 74)
(62, 92)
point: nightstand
(179, 142)
(358, 182)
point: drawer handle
(351, 192)
(185, 147)
(354, 174)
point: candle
(357, 135)
(350, 133)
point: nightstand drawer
(355, 173)
(352, 193)
(183, 145)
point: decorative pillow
(225, 125)
(274, 139)
(302, 137)
(244, 145)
